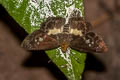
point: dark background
(18, 64)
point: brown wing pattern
(52, 22)
(91, 42)
(80, 24)
(38, 40)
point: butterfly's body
(57, 32)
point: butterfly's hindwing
(39, 40)
(91, 42)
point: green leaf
(71, 63)
(31, 13)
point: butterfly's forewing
(39, 40)
(45, 38)
(52, 23)
(90, 42)
(78, 26)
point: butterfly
(55, 32)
